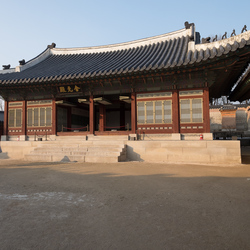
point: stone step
(59, 149)
(156, 137)
(54, 158)
(102, 153)
(80, 144)
(54, 152)
(94, 151)
(101, 159)
(107, 143)
(94, 147)
(108, 138)
(61, 142)
(108, 148)
(70, 138)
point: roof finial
(52, 46)
(6, 66)
(224, 36)
(206, 40)
(233, 33)
(244, 29)
(188, 25)
(215, 38)
(22, 62)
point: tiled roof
(176, 49)
(232, 106)
(241, 89)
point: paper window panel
(48, 117)
(158, 112)
(185, 111)
(197, 110)
(11, 117)
(42, 117)
(36, 117)
(18, 118)
(140, 112)
(29, 117)
(167, 111)
(149, 112)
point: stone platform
(119, 148)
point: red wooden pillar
(54, 117)
(91, 115)
(133, 113)
(206, 115)
(175, 112)
(24, 117)
(102, 117)
(5, 124)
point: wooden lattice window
(158, 112)
(149, 112)
(39, 117)
(15, 118)
(167, 111)
(140, 112)
(154, 112)
(191, 110)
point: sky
(28, 26)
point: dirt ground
(131, 205)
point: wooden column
(5, 124)
(102, 117)
(54, 117)
(206, 115)
(24, 117)
(91, 115)
(133, 113)
(176, 112)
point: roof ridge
(125, 45)
(216, 44)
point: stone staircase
(103, 149)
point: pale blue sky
(28, 26)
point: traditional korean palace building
(157, 85)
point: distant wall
(226, 120)
(215, 120)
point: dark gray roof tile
(242, 43)
(194, 57)
(228, 48)
(235, 46)
(207, 54)
(150, 54)
(200, 55)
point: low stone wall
(16, 149)
(227, 152)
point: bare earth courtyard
(130, 205)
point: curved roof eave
(162, 52)
(123, 46)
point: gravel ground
(131, 205)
